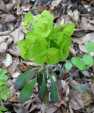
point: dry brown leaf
(76, 101)
(85, 24)
(87, 98)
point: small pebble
(3, 47)
(8, 60)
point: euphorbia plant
(45, 43)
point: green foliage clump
(89, 46)
(26, 86)
(81, 62)
(4, 89)
(45, 42)
(84, 61)
(3, 109)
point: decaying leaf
(76, 101)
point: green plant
(84, 61)
(81, 62)
(78, 62)
(89, 46)
(4, 90)
(3, 109)
(41, 76)
(45, 42)
(68, 65)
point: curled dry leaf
(51, 109)
(88, 37)
(2, 5)
(74, 15)
(14, 50)
(17, 34)
(55, 3)
(3, 38)
(64, 19)
(86, 24)
(19, 108)
(87, 98)
(65, 87)
(80, 96)
(4, 18)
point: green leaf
(54, 96)
(27, 91)
(25, 48)
(42, 24)
(43, 87)
(42, 83)
(50, 56)
(2, 82)
(65, 42)
(39, 46)
(46, 42)
(4, 89)
(3, 74)
(4, 92)
(39, 78)
(78, 62)
(2, 108)
(60, 38)
(68, 65)
(89, 46)
(24, 78)
(53, 56)
(27, 21)
(69, 28)
(88, 60)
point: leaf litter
(76, 87)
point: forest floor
(77, 93)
